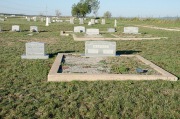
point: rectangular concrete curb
(60, 77)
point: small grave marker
(131, 30)
(100, 48)
(103, 21)
(111, 30)
(79, 29)
(15, 28)
(92, 31)
(35, 50)
(33, 29)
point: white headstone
(115, 23)
(103, 21)
(35, 50)
(79, 29)
(49, 20)
(89, 23)
(92, 21)
(34, 18)
(131, 30)
(33, 29)
(71, 20)
(111, 30)
(96, 21)
(92, 31)
(15, 28)
(28, 19)
(47, 23)
(81, 21)
(100, 48)
(42, 19)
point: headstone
(81, 21)
(89, 23)
(96, 21)
(42, 19)
(131, 30)
(47, 23)
(79, 29)
(92, 31)
(103, 21)
(35, 50)
(28, 19)
(92, 21)
(33, 29)
(34, 18)
(100, 48)
(59, 20)
(111, 30)
(115, 23)
(1, 19)
(71, 20)
(15, 28)
(49, 20)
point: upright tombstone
(42, 19)
(15, 28)
(79, 29)
(92, 31)
(34, 18)
(115, 23)
(92, 21)
(34, 50)
(100, 48)
(111, 30)
(131, 30)
(81, 21)
(33, 29)
(89, 23)
(47, 23)
(96, 21)
(71, 20)
(103, 21)
(28, 19)
(49, 20)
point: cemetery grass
(25, 92)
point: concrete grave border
(60, 77)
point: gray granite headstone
(35, 50)
(15, 28)
(100, 48)
(92, 31)
(79, 29)
(111, 30)
(33, 29)
(131, 30)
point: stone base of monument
(34, 56)
(93, 71)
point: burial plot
(103, 21)
(15, 28)
(111, 30)
(100, 48)
(35, 50)
(33, 29)
(79, 29)
(131, 30)
(92, 31)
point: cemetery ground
(25, 92)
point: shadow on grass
(126, 52)
(55, 54)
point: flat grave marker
(33, 29)
(15, 28)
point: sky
(118, 8)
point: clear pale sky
(124, 8)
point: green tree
(107, 14)
(94, 6)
